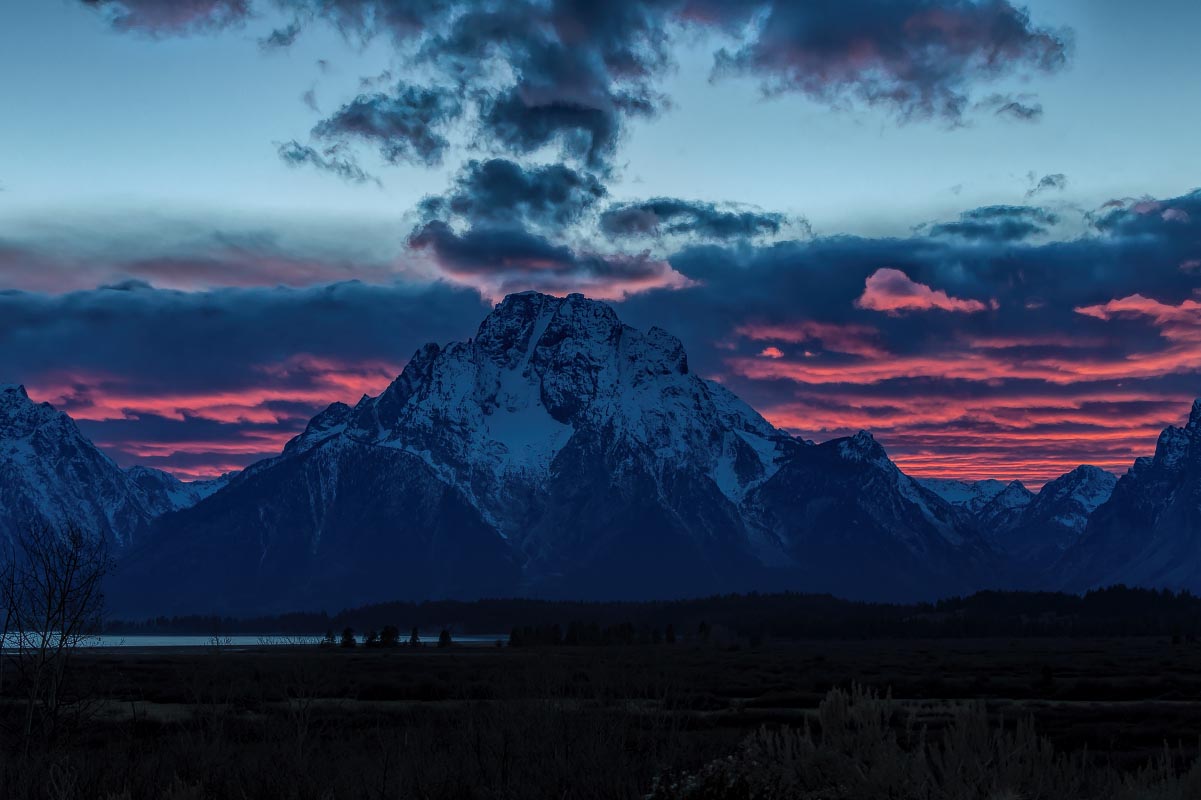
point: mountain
(51, 474)
(163, 492)
(850, 522)
(1056, 517)
(1148, 533)
(561, 453)
(1034, 530)
(969, 495)
(994, 505)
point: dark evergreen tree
(389, 636)
(415, 638)
(444, 638)
(348, 639)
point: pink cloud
(893, 292)
(857, 340)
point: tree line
(1113, 611)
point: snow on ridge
(502, 405)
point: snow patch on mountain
(971, 495)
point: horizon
(969, 228)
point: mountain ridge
(561, 453)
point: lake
(140, 641)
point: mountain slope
(162, 492)
(969, 495)
(854, 524)
(50, 474)
(1148, 533)
(994, 505)
(1056, 517)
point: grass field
(589, 721)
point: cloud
(498, 191)
(281, 37)
(407, 126)
(83, 254)
(526, 75)
(1088, 352)
(295, 154)
(498, 261)
(206, 381)
(666, 216)
(851, 339)
(998, 224)
(1054, 182)
(173, 17)
(914, 57)
(1022, 108)
(891, 291)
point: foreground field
(684, 720)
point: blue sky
(103, 123)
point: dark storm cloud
(295, 154)
(499, 191)
(172, 16)
(666, 216)
(406, 125)
(998, 224)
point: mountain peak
(1172, 447)
(13, 388)
(1194, 417)
(861, 447)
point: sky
(969, 226)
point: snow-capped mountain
(51, 474)
(1148, 532)
(994, 505)
(1056, 517)
(163, 492)
(1033, 529)
(969, 495)
(557, 452)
